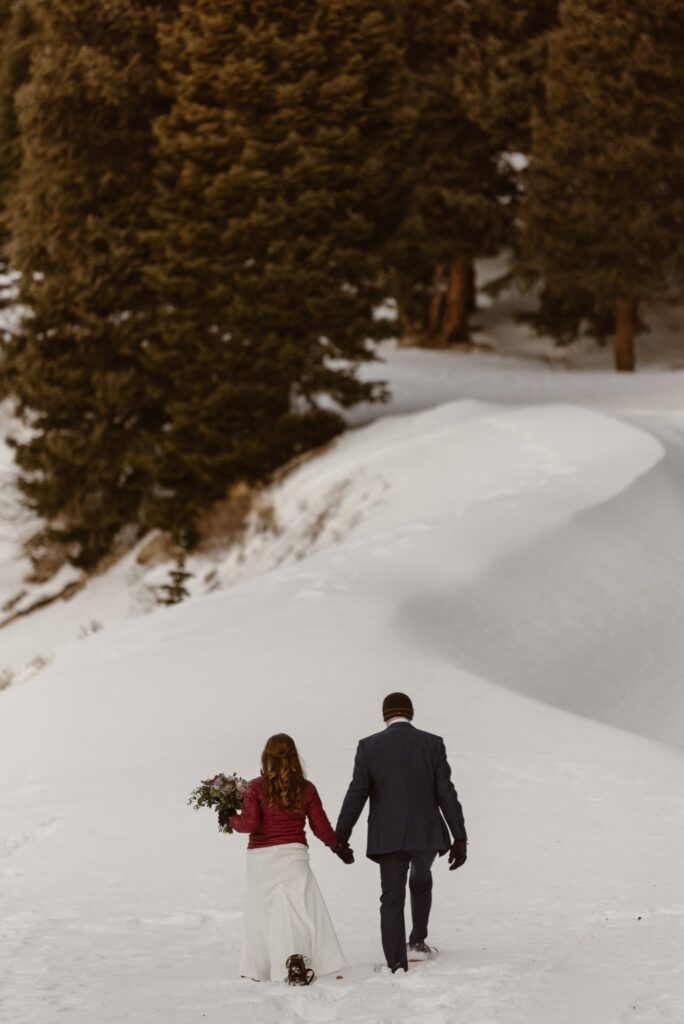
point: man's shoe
(297, 971)
(420, 951)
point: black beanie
(395, 705)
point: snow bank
(120, 904)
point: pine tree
(501, 62)
(458, 191)
(271, 191)
(604, 219)
(16, 32)
(79, 222)
(176, 590)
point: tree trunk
(451, 301)
(624, 336)
(472, 288)
(407, 329)
(435, 311)
(457, 301)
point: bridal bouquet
(223, 792)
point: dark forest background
(203, 204)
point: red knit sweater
(271, 826)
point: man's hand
(344, 852)
(457, 854)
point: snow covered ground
(507, 547)
(300, 523)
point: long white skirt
(285, 913)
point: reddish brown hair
(282, 774)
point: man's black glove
(344, 852)
(457, 854)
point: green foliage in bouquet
(224, 793)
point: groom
(407, 777)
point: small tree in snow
(175, 590)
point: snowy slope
(120, 904)
(300, 524)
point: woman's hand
(224, 815)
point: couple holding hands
(404, 773)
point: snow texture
(507, 548)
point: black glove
(457, 854)
(344, 852)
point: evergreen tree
(272, 185)
(176, 590)
(458, 190)
(82, 207)
(604, 219)
(501, 65)
(501, 62)
(16, 31)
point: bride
(287, 927)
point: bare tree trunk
(624, 337)
(407, 329)
(451, 301)
(458, 296)
(472, 288)
(435, 312)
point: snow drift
(459, 536)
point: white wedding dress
(285, 913)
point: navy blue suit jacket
(405, 774)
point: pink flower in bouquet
(222, 793)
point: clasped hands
(344, 852)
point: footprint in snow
(16, 842)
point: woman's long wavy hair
(282, 774)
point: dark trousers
(394, 870)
